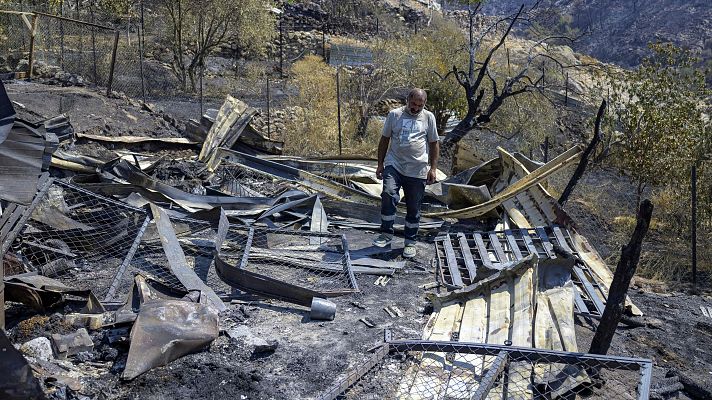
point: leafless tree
(485, 91)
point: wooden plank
(494, 240)
(580, 304)
(528, 242)
(452, 263)
(498, 328)
(7, 212)
(484, 255)
(543, 201)
(561, 305)
(545, 242)
(470, 370)
(12, 220)
(467, 257)
(515, 214)
(522, 335)
(570, 156)
(513, 244)
(546, 335)
(531, 211)
(431, 375)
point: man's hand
(379, 171)
(432, 177)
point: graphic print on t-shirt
(409, 128)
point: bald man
(407, 158)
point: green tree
(657, 111)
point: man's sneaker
(383, 240)
(409, 251)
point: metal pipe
(281, 50)
(75, 21)
(33, 33)
(323, 41)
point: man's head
(416, 100)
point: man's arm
(382, 149)
(433, 156)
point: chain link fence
(315, 261)
(453, 370)
(79, 238)
(605, 200)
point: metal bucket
(322, 309)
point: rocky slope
(619, 30)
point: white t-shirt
(410, 136)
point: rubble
(72, 344)
(40, 348)
(140, 264)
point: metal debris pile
(150, 267)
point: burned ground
(300, 358)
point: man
(407, 158)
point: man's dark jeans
(413, 188)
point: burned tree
(485, 89)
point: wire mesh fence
(197, 240)
(14, 40)
(452, 370)
(239, 180)
(312, 260)
(79, 238)
(79, 48)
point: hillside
(619, 31)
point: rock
(85, 356)
(108, 353)
(71, 344)
(258, 345)
(23, 66)
(39, 347)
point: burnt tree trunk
(467, 124)
(441, 118)
(585, 156)
(615, 305)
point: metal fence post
(61, 35)
(338, 104)
(93, 40)
(693, 227)
(141, 31)
(323, 41)
(33, 33)
(269, 106)
(113, 63)
(281, 50)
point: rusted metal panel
(166, 330)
